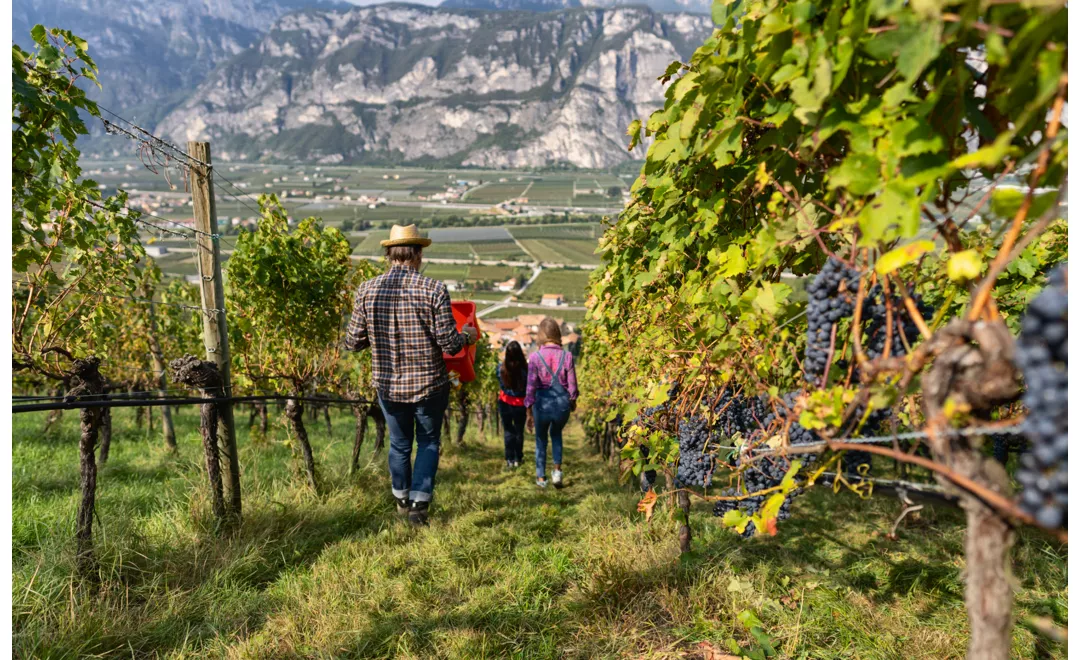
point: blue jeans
(424, 418)
(546, 425)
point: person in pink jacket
(550, 396)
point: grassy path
(505, 569)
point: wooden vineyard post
(215, 331)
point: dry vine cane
(190, 370)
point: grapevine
(819, 238)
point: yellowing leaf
(736, 519)
(634, 131)
(647, 504)
(766, 300)
(658, 394)
(964, 265)
(902, 256)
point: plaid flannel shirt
(405, 319)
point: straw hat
(405, 236)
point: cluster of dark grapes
(777, 416)
(767, 472)
(736, 414)
(1005, 444)
(648, 477)
(696, 462)
(876, 333)
(1042, 354)
(832, 297)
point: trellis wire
(219, 175)
(1015, 429)
(150, 138)
(205, 310)
(78, 403)
(140, 212)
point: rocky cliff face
(669, 6)
(418, 85)
(150, 51)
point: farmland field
(493, 193)
(568, 315)
(566, 251)
(575, 230)
(571, 283)
(484, 297)
(556, 193)
(458, 272)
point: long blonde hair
(549, 331)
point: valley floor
(504, 570)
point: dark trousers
(422, 419)
(513, 421)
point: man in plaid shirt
(406, 321)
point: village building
(552, 300)
(506, 286)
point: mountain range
(311, 80)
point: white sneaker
(542, 482)
(556, 478)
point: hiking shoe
(402, 505)
(418, 514)
(556, 478)
(509, 465)
(542, 482)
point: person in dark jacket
(513, 373)
(406, 320)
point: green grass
(562, 251)
(571, 283)
(504, 570)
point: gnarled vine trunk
(360, 413)
(191, 371)
(974, 368)
(685, 535)
(294, 410)
(376, 413)
(462, 414)
(54, 415)
(87, 381)
(105, 428)
(259, 414)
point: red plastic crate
(462, 362)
